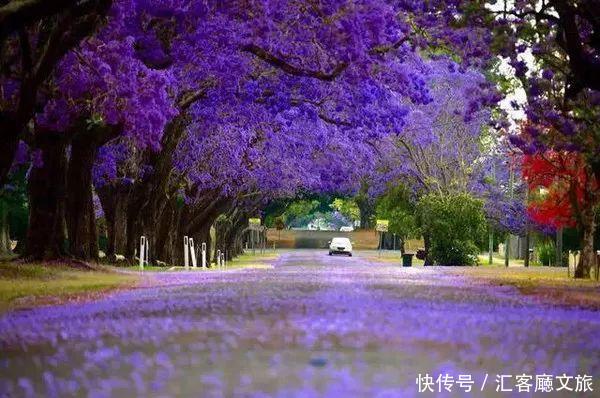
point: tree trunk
(157, 190)
(108, 201)
(82, 20)
(10, 140)
(236, 246)
(366, 206)
(114, 200)
(427, 242)
(166, 231)
(231, 232)
(5, 246)
(588, 257)
(81, 220)
(366, 213)
(526, 262)
(134, 228)
(47, 193)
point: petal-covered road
(313, 325)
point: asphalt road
(314, 325)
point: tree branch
(383, 49)
(18, 14)
(330, 120)
(291, 69)
(187, 98)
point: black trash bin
(407, 259)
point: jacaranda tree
(168, 116)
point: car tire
(330, 253)
(349, 254)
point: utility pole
(491, 245)
(510, 195)
(491, 228)
(526, 262)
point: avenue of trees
(165, 118)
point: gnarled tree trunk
(168, 248)
(47, 194)
(76, 20)
(81, 218)
(10, 140)
(588, 257)
(114, 200)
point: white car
(340, 246)
(346, 229)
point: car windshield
(340, 241)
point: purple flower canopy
(278, 127)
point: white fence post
(193, 252)
(186, 253)
(142, 251)
(203, 255)
(223, 259)
(147, 256)
(219, 258)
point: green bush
(546, 253)
(453, 223)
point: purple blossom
(548, 74)
(315, 329)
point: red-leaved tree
(565, 194)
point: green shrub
(546, 253)
(453, 223)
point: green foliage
(546, 253)
(506, 84)
(301, 212)
(395, 205)
(347, 207)
(483, 242)
(454, 223)
(13, 199)
(273, 210)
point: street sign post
(381, 226)
(254, 223)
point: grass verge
(387, 257)
(499, 261)
(246, 260)
(549, 284)
(28, 285)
